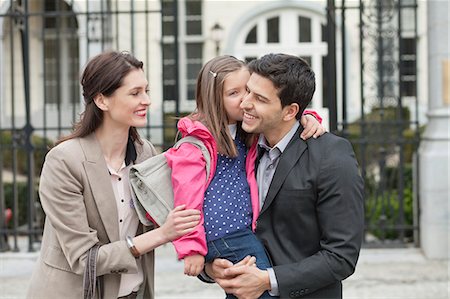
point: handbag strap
(90, 282)
(198, 143)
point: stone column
(434, 151)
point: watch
(132, 248)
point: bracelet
(132, 248)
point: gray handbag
(151, 182)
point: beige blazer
(77, 197)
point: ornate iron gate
(44, 44)
(384, 129)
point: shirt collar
(233, 130)
(283, 143)
(130, 154)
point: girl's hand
(193, 264)
(312, 127)
(180, 222)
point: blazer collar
(288, 159)
(144, 151)
(100, 183)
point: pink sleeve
(189, 186)
(313, 113)
(251, 179)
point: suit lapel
(100, 183)
(288, 159)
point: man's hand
(244, 281)
(216, 269)
(193, 264)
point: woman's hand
(180, 222)
(312, 127)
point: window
(248, 59)
(304, 29)
(168, 18)
(194, 64)
(251, 36)
(193, 17)
(295, 32)
(60, 46)
(273, 34)
(190, 48)
(323, 29)
(408, 70)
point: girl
(86, 196)
(229, 200)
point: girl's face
(234, 90)
(128, 105)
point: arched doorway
(293, 30)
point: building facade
(370, 59)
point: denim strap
(90, 282)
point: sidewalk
(381, 273)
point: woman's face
(234, 90)
(128, 105)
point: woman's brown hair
(103, 74)
(210, 104)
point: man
(311, 193)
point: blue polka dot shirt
(227, 206)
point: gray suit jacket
(312, 220)
(78, 199)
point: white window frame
(186, 105)
(62, 39)
(288, 26)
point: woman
(85, 192)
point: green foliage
(15, 153)
(22, 202)
(382, 133)
(170, 128)
(382, 140)
(385, 209)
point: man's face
(262, 109)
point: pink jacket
(189, 182)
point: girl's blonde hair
(210, 103)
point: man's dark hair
(291, 75)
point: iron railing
(386, 133)
(45, 45)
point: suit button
(292, 294)
(119, 271)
